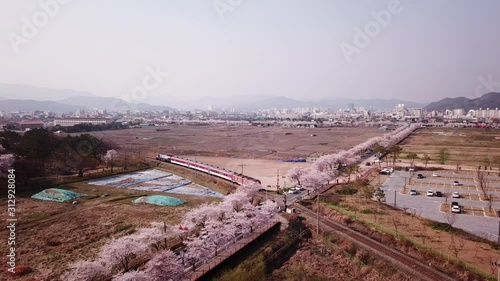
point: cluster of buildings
(306, 117)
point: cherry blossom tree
(84, 271)
(296, 173)
(327, 164)
(6, 162)
(121, 251)
(133, 275)
(235, 201)
(198, 250)
(165, 266)
(314, 179)
(110, 158)
(198, 216)
(219, 233)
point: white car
(411, 170)
(430, 193)
(456, 183)
(413, 192)
(455, 194)
(377, 161)
(456, 209)
(435, 175)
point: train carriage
(211, 170)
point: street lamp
(284, 200)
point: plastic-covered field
(156, 180)
(57, 195)
(132, 178)
(159, 200)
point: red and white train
(215, 171)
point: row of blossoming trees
(325, 168)
(205, 229)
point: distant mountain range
(489, 100)
(27, 98)
(18, 97)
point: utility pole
(242, 168)
(317, 214)
(404, 189)
(278, 179)
(395, 198)
(498, 237)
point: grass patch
(346, 191)
(122, 227)
(37, 216)
(371, 212)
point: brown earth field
(239, 141)
(467, 146)
(256, 148)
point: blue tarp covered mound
(159, 200)
(57, 195)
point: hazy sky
(428, 49)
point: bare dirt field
(257, 148)
(239, 141)
(468, 146)
(267, 171)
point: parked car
(456, 208)
(456, 183)
(438, 194)
(430, 193)
(377, 161)
(413, 192)
(411, 170)
(455, 194)
(435, 175)
(368, 164)
(420, 176)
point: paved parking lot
(473, 220)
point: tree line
(39, 152)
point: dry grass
(239, 141)
(473, 251)
(468, 146)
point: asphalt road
(428, 207)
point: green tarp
(57, 195)
(159, 200)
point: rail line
(411, 264)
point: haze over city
(415, 50)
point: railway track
(413, 266)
